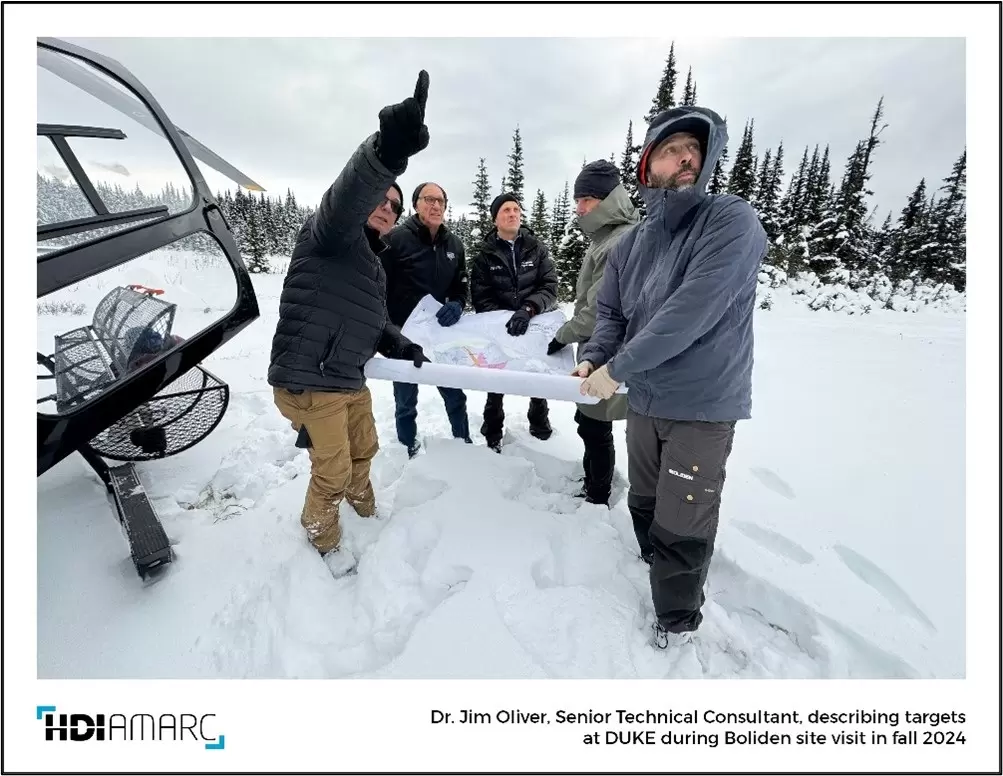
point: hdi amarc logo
(120, 727)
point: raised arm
(362, 184)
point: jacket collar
(424, 233)
(525, 236)
(614, 210)
(669, 208)
(374, 240)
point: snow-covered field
(840, 553)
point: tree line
(814, 224)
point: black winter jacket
(416, 266)
(500, 282)
(332, 310)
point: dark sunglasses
(397, 207)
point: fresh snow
(840, 552)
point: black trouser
(493, 427)
(676, 470)
(599, 458)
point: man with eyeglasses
(333, 319)
(423, 257)
(674, 322)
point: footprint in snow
(775, 542)
(773, 481)
(871, 575)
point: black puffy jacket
(501, 281)
(416, 265)
(332, 310)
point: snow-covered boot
(340, 562)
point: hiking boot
(413, 450)
(663, 639)
(543, 433)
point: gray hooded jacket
(604, 225)
(674, 313)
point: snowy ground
(840, 553)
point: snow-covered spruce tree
(538, 220)
(255, 242)
(628, 167)
(481, 204)
(849, 240)
(461, 228)
(767, 202)
(292, 222)
(719, 179)
(569, 260)
(789, 254)
(690, 90)
(910, 249)
(742, 181)
(665, 94)
(558, 223)
(515, 179)
(819, 216)
(948, 219)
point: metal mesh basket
(181, 415)
(131, 325)
(82, 367)
(128, 327)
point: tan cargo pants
(343, 443)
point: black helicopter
(127, 386)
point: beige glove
(599, 384)
(584, 369)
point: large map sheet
(477, 353)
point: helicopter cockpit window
(96, 161)
(89, 123)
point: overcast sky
(288, 112)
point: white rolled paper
(531, 384)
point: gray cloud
(115, 167)
(288, 112)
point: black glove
(402, 127)
(414, 354)
(303, 439)
(555, 346)
(519, 323)
(449, 313)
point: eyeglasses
(395, 205)
(434, 201)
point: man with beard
(423, 257)
(604, 212)
(674, 322)
(333, 319)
